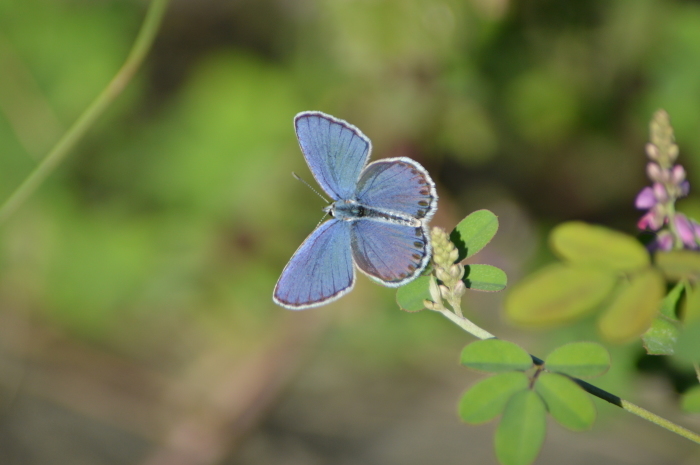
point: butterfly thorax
(352, 210)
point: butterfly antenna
(309, 186)
(323, 219)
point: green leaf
(566, 401)
(520, 434)
(691, 310)
(558, 293)
(586, 244)
(670, 302)
(661, 337)
(579, 359)
(410, 296)
(690, 402)
(484, 278)
(679, 264)
(495, 355)
(486, 399)
(474, 232)
(688, 345)
(634, 307)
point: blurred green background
(136, 320)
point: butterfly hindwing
(392, 254)
(320, 271)
(335, 151)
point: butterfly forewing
(335, 151)
(320, 271)
(393, 254)
(398, 184)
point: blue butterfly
(379, 216)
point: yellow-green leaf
(495, 355)
(486, 278)
(579, 359)
(521, 432)
(474, 232)
(410, 296)
(688, 345)
(690, 402)
(566, 401)
(634, 307)
(558, 293)
(679, 264)
(661, 337)
(585, 244)
(670, 302)
(486, 399)
(691, 310)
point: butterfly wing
(335, 151)
(320, 271)
(398, 184)
(391, 254)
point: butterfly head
(346, 210)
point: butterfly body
(352, 210)
(379, 217)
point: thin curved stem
(480, 333)
(466, 325)
(141, 46)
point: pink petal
(696, 228)
(664, 241)
(685, 230)
(652, 220)
(678, 174)
(654, 171)
(645, 199)
(660, 192)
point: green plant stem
(141, 46)
(480, 333)
(662, 422)
(466, 325)
(677, 240)
(455, 304)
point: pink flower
(653, 220)
(685, 230)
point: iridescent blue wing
(335, 151)
(320, 271)
(391, 254)
(398, 184)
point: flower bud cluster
(451, 288)
(668, 184)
